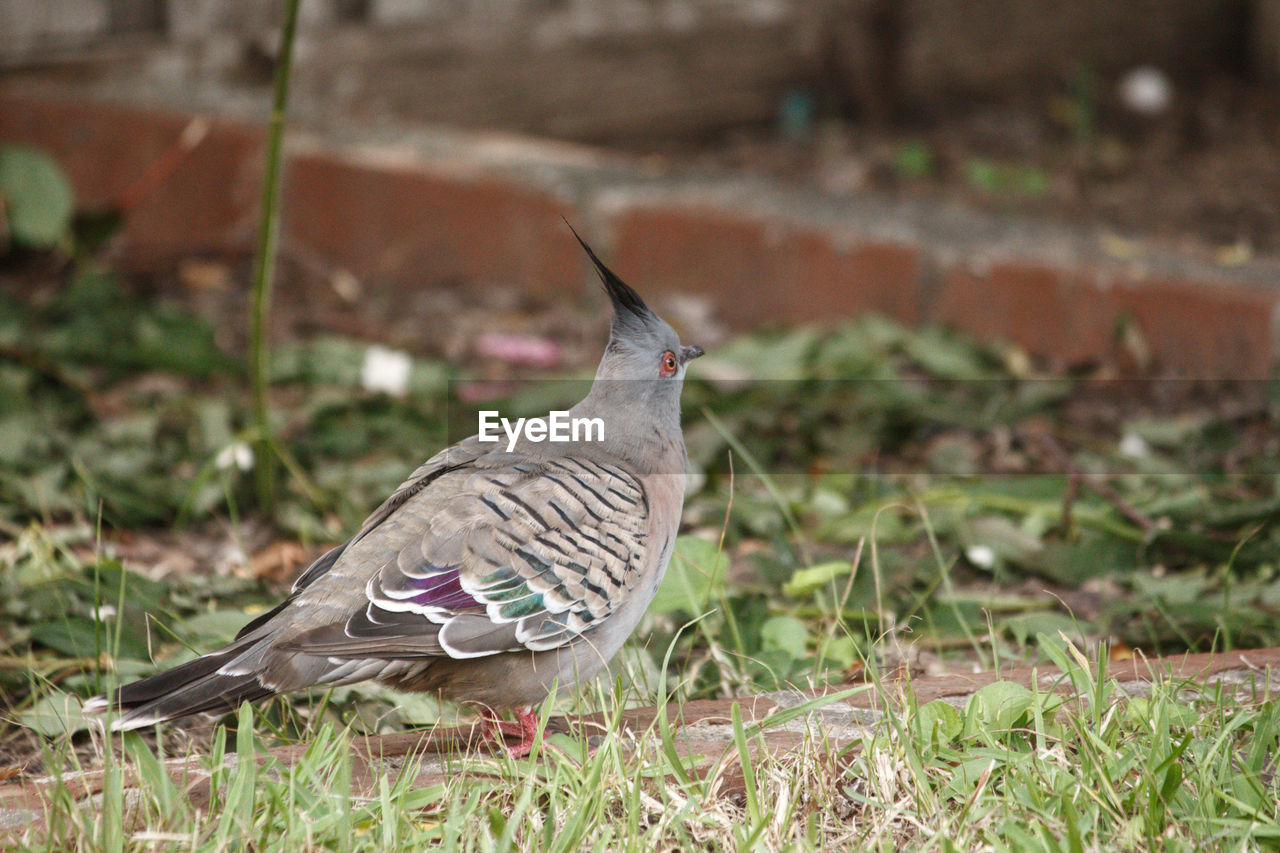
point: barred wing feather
(524, 556)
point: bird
(497, 573)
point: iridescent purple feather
(443, 590)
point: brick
(413, 225)
(1190, 327)
(85, 139)
(207, 203)
(1037, 308)
(761, 271)
(872, 277)
(180, 199)
(1204, 328)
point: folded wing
(485, 558)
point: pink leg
(525, 727)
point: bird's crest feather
(625, 300)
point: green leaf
(1143, 710)
(74, 636)
(217, 625)
(1030, 181)
(983, 174)
(56, 713)
(805, 581)
(955, 455)
(1025, 626)
(841, 652)
(966, 776)
(939, 722)
(913, 159)
(946, 356)
(1183, 588)
(787, 634)
(999, 706)
(756, 357)
(1007, 540)
(1169, 432)
(687, 584)
(1091, 554)
(37, 197)
(872, 520)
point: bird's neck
(641, 424)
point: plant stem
(264, 268)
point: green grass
(1185, 766)
(1175, 766)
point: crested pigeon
(496, 573)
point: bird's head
(642, 346)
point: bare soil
(1205, 170)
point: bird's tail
(191, 688)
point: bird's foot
(525, 727)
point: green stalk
(264, 268)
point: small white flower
(386, 371)
(1134, 446)
(982, 556)
(103, 613)
(1146, 90)
(235, 455)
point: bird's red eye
(668, 364)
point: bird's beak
(688, 354)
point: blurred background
(928, 161)
(990, 291)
